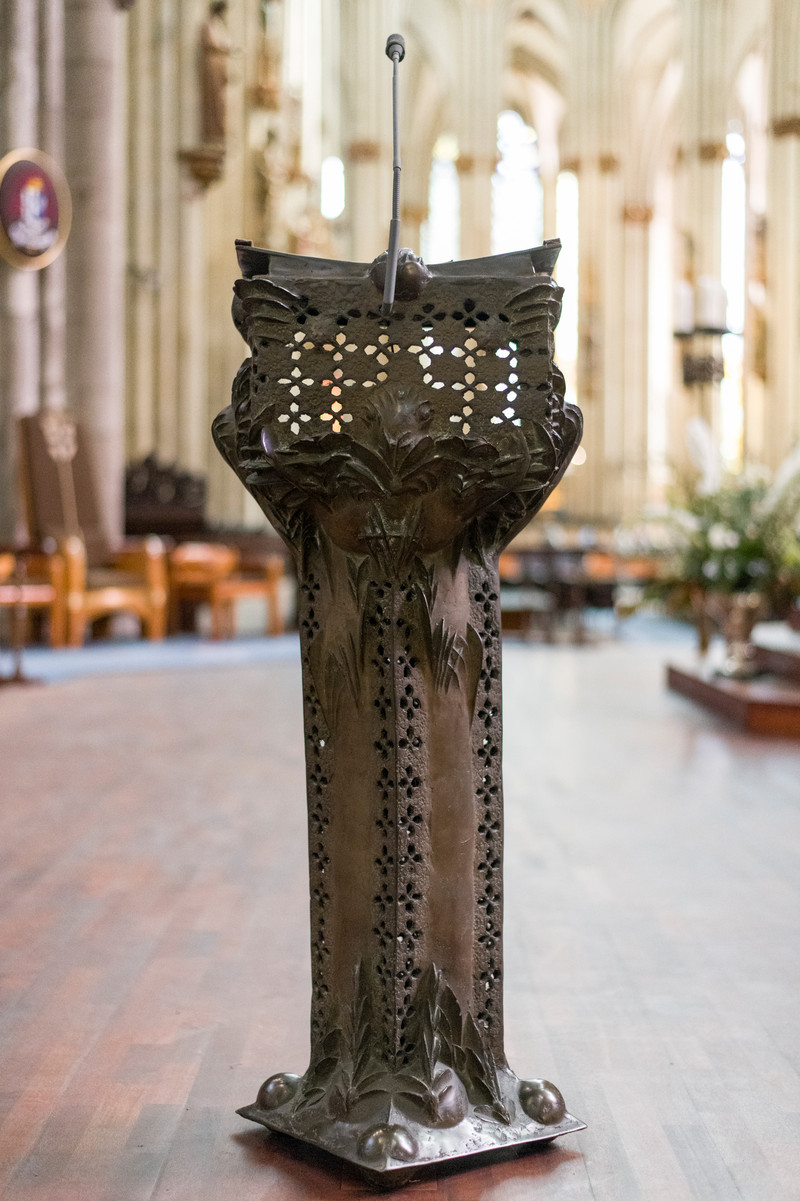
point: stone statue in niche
(214, 56)
(397, 455)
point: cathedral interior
(154, 877)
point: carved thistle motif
(397, 456)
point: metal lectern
(397, 449)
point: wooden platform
(779, 661)
(154, 961)
(769, 704)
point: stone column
(168, 254)
(188, 229)
(95, 252)
(143, 268)
(589, 149)
(413, 215)
(596, 490)
(635, 381)
(699, 212)
(366, 81)
(756, 411)
(683, 403)
(549, 208)
(168, 265)
(782, 418)
(477, 103)
(475, 173)
(53, 278)
(19, 290)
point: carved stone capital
(205, 163)
(608, 164)
(364, 151)
(414, 214)
(703, 369)
(638, 214)
(785, 127)
(712, 152)
(470, 164)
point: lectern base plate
(401, 1150)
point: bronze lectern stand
(397, 455)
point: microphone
(395, 50)
(395, 47)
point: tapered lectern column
(397, 455)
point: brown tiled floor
(153, 931)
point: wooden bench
(210, 573)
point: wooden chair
(523, 603)
(209, 572)
(30, 582)
(134, 580)
(100, 580)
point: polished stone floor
(153, 933)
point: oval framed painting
(35, 209)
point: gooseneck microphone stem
(395, 50)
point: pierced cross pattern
(488, 797)
(467, 357)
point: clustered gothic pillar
(782, 419)
(95, 254)
(633, 464)
(367, 124)
(167, 333)
(144, 268)
(591, 150)
(62, 328)
(698, 215)
(19, 290)
(478, 101)
(180, 350)
(53, 278)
